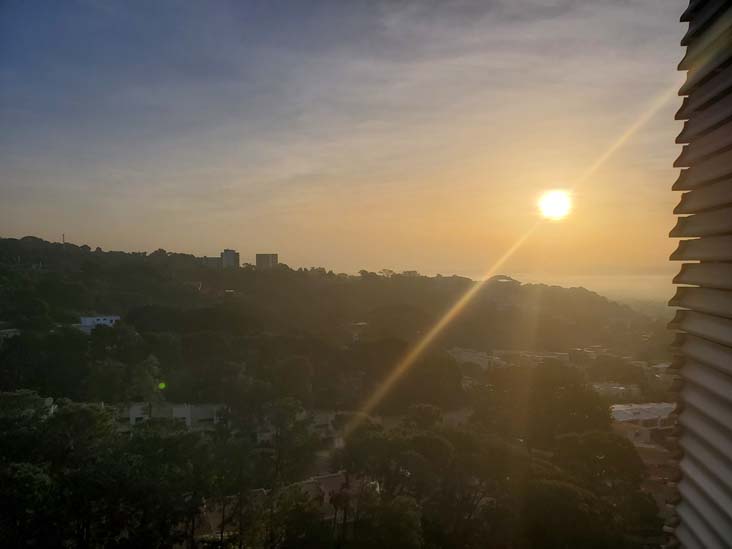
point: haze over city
(399, 135)
(389, 274)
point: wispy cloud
(230, 111)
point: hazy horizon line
(637, 286)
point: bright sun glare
(555, 205)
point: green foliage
(86, 484)
(165, 291)
(561, 515)
(292, 444)
(24, 502)
(392, 524)
(471, 486)
(539, 403)
(296, 522)
(282, 343)
(600, 459)
(424, 416)
(612, 368)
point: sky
(408, 135)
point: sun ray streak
(652, 109)
(415, 352)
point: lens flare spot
(555, 205)
(162, 385)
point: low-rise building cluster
(230, 259)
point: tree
(293, 377)
(293, 445)
(537, 403)
(24, 497)
(559, 514)
(393, 524)
(424, 416)
(30, 312)
(600, 459)
(296, 522)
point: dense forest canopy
(172, 291)
(530, 461)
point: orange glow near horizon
(411, 357)
(553, 205)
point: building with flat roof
(88, 323)
(196, 417)
(210, 262)
(267, 261)
(230, 259)
(648, 414)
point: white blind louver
(704, 318)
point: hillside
(44, 283)
(51, 282)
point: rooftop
(649, 410)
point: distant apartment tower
(230, 259)
(267, 261)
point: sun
(555, 205)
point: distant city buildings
(230, 259)
(648, 414)
(197, 417)
(88, 323)
(7, 333)
(267, 261)
(481, 359)
(210, 262)
(618, 391)
(529, 358)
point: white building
(649, 414)
(646, 425)
(88, 323)
(197, 417)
